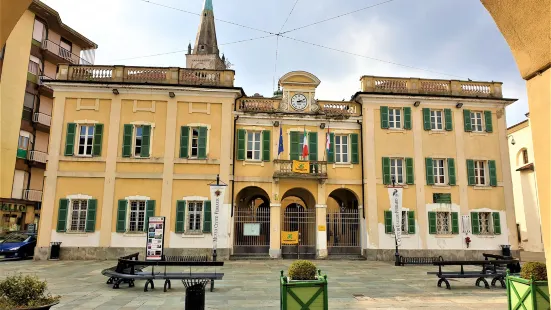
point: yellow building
(38, 43)
(293, 162)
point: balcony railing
(63, 53)
(259, 105)
(284, 169)
(32, 195)
(340, 109)
(43, 119)
(177, 76)
(38, 156)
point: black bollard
(195, 297)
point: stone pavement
(254, 285)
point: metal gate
(343, 232)
(252, 230)
(303, 220)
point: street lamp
(396, 254)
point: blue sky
(456, 37)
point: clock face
(299, 102)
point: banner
(217, 194)
(301, 166)
(155, 238)
(289, 237)
(395, 197)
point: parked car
(17, 245)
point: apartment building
(39, 42)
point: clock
(299, 102)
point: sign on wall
(466, 221)
(217, 194)
(442, 198)
(251, 229)
(155, 238)
(12, 207)
(289, 237)
(395, 197)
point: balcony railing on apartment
(38, 156)
(177, 76)
(63, 53)
(431, 87)
(43, 119)
(32, 195)
(284, 169)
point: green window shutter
(410, 176)
(388, 222)
(184, 142)
(91, 215)
(386, 170)
(384, 117)
(207, 223)
(429, 171)
(62, 215)
(467, 120)
(313, 145)
(407, 118)
(98, 139)
(331, 153)
(411, 222)
(149, 212)
(470, 172)
(451, 171)
(497, 223)
(455, 223)
(432, 223)
(266, 141)
(146, 141)
(475, 224)
(355, 156)
(121, 215)
(241, 133)
(426, 119)
(488, 121)
(127, 140)
(70, 139)
(493, 174)
(180, 216)
(203, 140)
(295, 145)
(448, 119)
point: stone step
(250, 257)
(345, 257)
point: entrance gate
(252, 230)
(343, 232)
(303, 220)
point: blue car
(18, 245)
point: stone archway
(343, 227)
(298, 207)
(252, 222)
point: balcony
(142, 75)
(331, 109)
(21, 153)
(42, 121)
(37, 156)
(376, 84)
(32, 195)
(43, 88)
(283, 169)
(60, 55)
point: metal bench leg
(481, 279)
(445, 281)
(211, 285)
(167, 285)
(147, 284)
(116, 283)
(131, 283)
(109, 281)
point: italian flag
(305, 145)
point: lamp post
(396, 254)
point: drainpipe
(362, 149)
(233, 150)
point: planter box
(527, 294)
(304, 295)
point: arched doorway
(343, 223)
(252, 222)
(299, 214)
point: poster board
(155, 238)
(251, 229)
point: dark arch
(302, 194)
(252, 193)
(346, 198)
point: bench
(490, 269)
(129, 269)
(419, 260)
(513, 268)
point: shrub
(535, 269)
(302, 270)
(20, 291)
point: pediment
(299, 77)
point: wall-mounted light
(322, 126)
(513, 142)
(459, 105)
(276, 124)
(115, 91)
(171, 94)
(416, 103)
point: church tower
(205, 53)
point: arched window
(525, 156)
(522, 157)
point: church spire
(208, 5)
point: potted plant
(530, 290)
(25, 292)
(304, 287)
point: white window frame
(490, 223)
(477, 175)
(394, 124)
(71, 217)
(38, 63)
(129, 215)
(448, 215)
(79, 127)
(477, 123)
(135, 139)
(434, 123)
(253, 132)
(199, 231)
(191, 142)
(436, 171)
(29, 136)
(342, 149)
(394, 170)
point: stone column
(321, 240)
(275, 230)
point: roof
(208, 5)
(508, 100)
(518, 126)
(529, 166)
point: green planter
(304, 294)
(527, 294)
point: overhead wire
(287, 19)
(277, 44)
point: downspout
(362, 152)
(233, 150)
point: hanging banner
(155, 238)
(217, 194)
(395, 197)
(301, 166)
